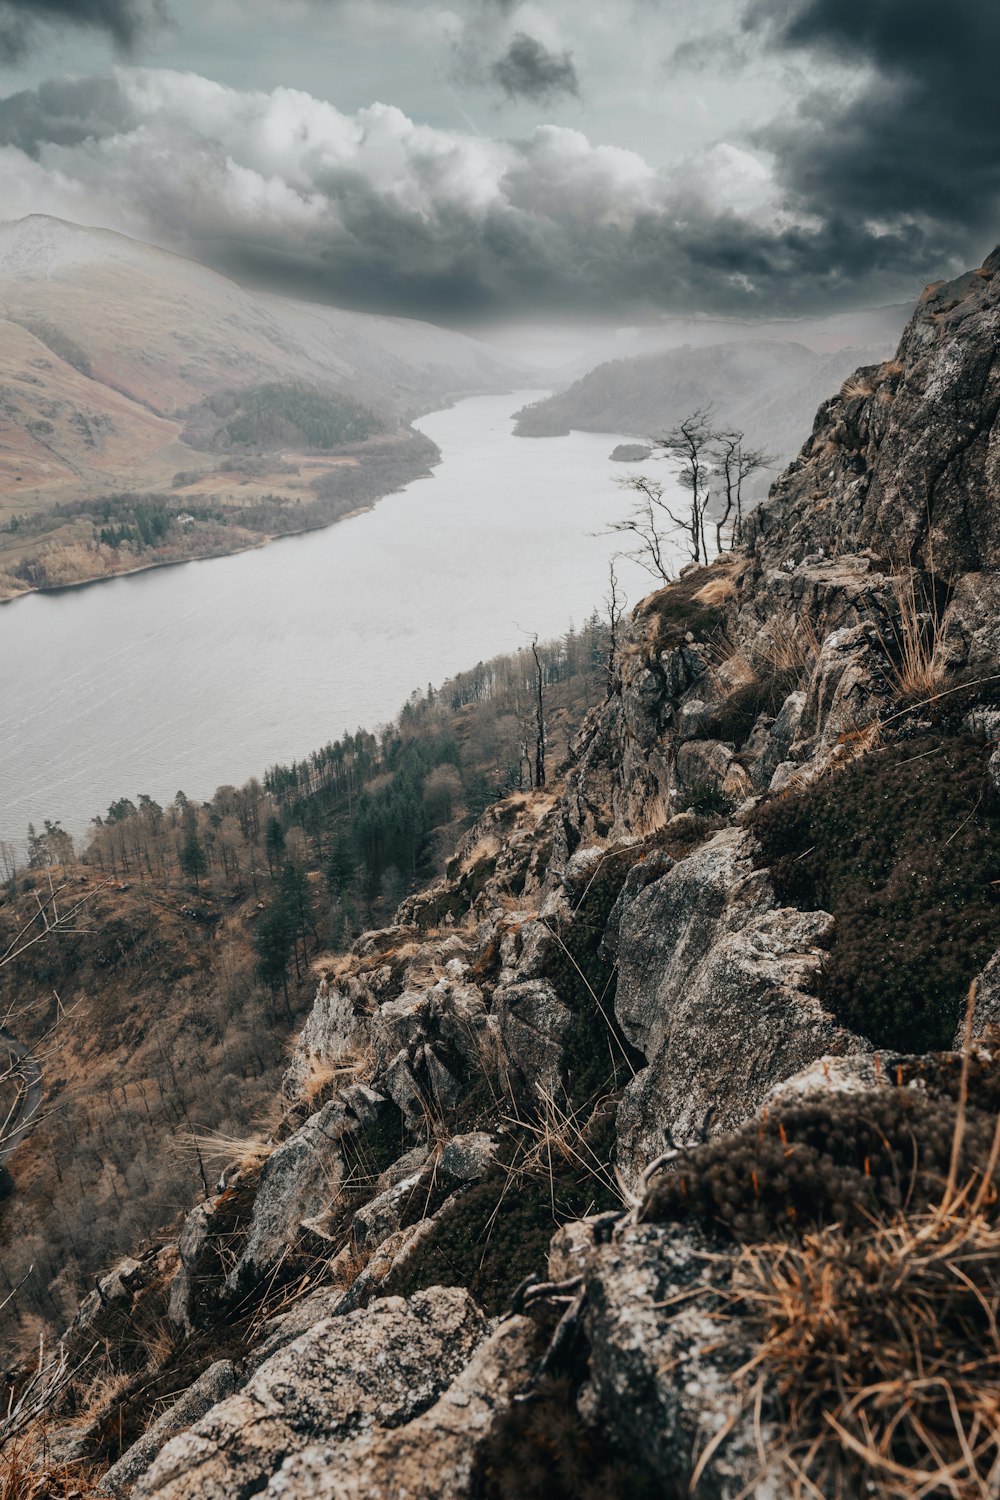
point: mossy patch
(733, 719)
(498, 1233)
(836, 1159)
(903, 847)
(675, 612)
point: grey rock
(381, 1217)
(986, 1016)
(298, 1182)
(215, 1384)
(913, 461)
(467, 1158)
(432, 1457)
(661, 1377)
(714, 989)
(702, 763)
(332, 1029)
(533, 1022)
(379, 1367)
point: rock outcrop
(610, 978)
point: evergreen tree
(192, 857)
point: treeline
(331, 843)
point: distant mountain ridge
(767, 388)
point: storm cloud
(877, 169)
(914, 140)
(529, 70)
(124, 21)
(374, 209)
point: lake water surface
(193, 676)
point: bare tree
(734, 464)
(689, 444)
(539, 715)
(616, 603)
(649, 514)
(654, 517)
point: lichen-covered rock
(907, 459)
(332, 1029)
(432, 1457)
(379, 1367)
(660, 1376)
(298, 1181)
(533, 1022)
(714, 989)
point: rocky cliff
(635, 1157)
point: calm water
(194, 676)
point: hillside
(768, 389)
(160, 1019)
(655, 1151)
(124, 371)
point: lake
(194, 676)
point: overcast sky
(493, 159)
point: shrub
(706, 800)
(903, 848)
(732, 721)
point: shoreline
(155, 564)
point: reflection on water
(193, 676)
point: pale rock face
(714, 989)
(371, 1369)
(909, 467)
(332, 1029)
(298, 1182)
(533, 1022)
(660, 1375)
(432, 1457)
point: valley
(132, 378)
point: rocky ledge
(571, 1153)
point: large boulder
(715, 988)
(375, 1368)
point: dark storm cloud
(918, 142)
(62, 113)
(124, 21)
(886, 173)
(529, 70)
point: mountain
(766, 388)
(652, 1149)
(825, 335)
(128, 369)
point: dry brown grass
(880, 1347)
(790, 645)
(23, 1476)
(656, 814)
(882, 1351)
(354, 1065)
(221, 1151)
(560, 1136)
(856, 386)
(718, 590)
(911, 642)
